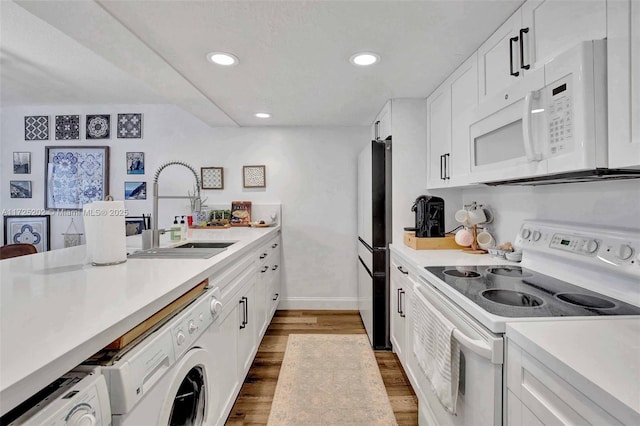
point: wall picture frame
(28, 230)
(136, 224)
(254, 176)
(135, 190)
(135, 163)
(20, 188)
(22, 163)
(212, 177)
(75, 176)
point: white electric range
(568, 271)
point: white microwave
(552, 121)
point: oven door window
(189, 402)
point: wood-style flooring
(254, 401)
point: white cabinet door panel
(464, 96)
(438, 134)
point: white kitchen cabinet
(382, 123)
(399, 285)
(248, 336)
(273, 296)
(550, 27)
(538, 395)
(623, 81)
(448, 126)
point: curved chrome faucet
(155, 233)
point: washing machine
(79, 398)
(165, 377)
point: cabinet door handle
(441, 167)
(277, 295)
(244, 313)
(246, 310)
(275, 245)
(401, 303)
(377, 129)
(516, 73)
(274, 267)
(263, 256)
(401, 269)
(398, 304)
(446, 166)
(264, 269)
(523, 31)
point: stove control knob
(536, 235)
(180, 338)
(192, 327)
(82, 417)
(590, 246)
(624, 252)
(215, 306)
(525, 233)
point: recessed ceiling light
(222, 58)
(262, 115)
(364, 59)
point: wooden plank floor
(254, 401)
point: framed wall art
(28, 230)
(75, 176)
(36, 128)
(129, 126)
(136, 224)
(135, 190)
(135, 163)
(67, 127)
(212, 177)
(21, 163)
(254, 176)
(98, 126)
(20, 188)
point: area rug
(330, 379)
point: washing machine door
(187, 399)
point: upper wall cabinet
(382, 123)
(533, 35)
(623, 58)
(448, 126)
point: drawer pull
(274, 268)
(277, 295)
(402, 270)
(264, 269)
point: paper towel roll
(105, 232)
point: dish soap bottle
(175, 230)
(183, 230)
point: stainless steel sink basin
(205, 244)
(172, 253)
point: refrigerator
(374, 237)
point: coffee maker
(429, 213)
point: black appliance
(429, 213)
(374, 237)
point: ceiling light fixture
(222, 58)
(363, 59)
(262, 115)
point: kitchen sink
(172, 253)
(205, 244)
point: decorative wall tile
(129, 126)
(36, 128)
(254, 176)
(67, 127)
(98, 126)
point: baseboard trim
(319, 303)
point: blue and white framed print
(67, 127)
(135, 163)
(135, 190)
(28, 230)
(75, 176)
(36, 128)
(129, 126)
(98, 126)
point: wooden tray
(448, 242)
(226, 226)
(145, 325)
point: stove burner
(508, 271)
(461, 274)
(586, 300)
(512, 298)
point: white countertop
(599, 357)
(56, 309)
(454, 257)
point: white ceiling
(293, 54)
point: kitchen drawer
(546, 395)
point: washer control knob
(624, 252)
(192, 327)
(525, 233)
(590, 246)
(215, 306)
(82, 417)
(536, 235)
(180, 338)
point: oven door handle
(477, 346)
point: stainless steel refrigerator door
(365, 214)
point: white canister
(104, 227)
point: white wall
(606, 203)
(311, 171)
